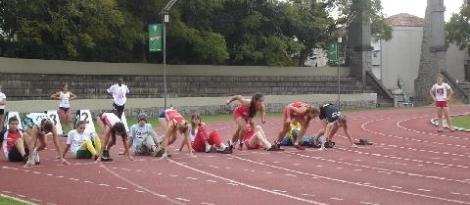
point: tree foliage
(235, 32)
(458, 28)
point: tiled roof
(403, 19)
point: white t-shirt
(75, 139)
(440, 91)
(119, 93)
(2, 98)
(110, 119)
(64, 99)
(138, 133)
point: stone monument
(359, 40)
(433, 50)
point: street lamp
(340, 40)
(166, 19)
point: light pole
(166, 19)
(340, 40)
(165, 13)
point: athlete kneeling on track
(255, 138)
(143, 139)
(82, 144)
(332, 119)
(14, 143)
(204, 141)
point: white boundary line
(349, 182)
(247, 185)
(141, 187)
(17, 199)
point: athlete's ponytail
(252, 108)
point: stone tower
(359, 39)
(433, 50)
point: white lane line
(17, 199)
(205, 203)
(352, 183)
(336, 198)
(105, 185)
(425, 190)
(140, 187)
(121, 188)
(368, 203)
(246, 185)
(211, 181)
(182, 199)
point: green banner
(155, 37)
(332, 53)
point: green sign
(155, 37)
(332, 53)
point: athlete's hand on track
(130, 157)
(65, 162)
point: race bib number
(85, 115)
(54, 117)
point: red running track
(410, 163)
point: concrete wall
(400, 57)
(187, 105)
(455, 62)
(15, 65)
(401, 54)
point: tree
(458, 28)
(68, 29)
(378, 26)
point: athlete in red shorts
(245, 112)
(204, 141)
(255, 138)
(300, 112)
(176, 124)
(440, 93)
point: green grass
(463, 121)
(8, 201)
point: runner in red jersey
(300, 112)
(176, 124)
(244, 114)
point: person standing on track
(300, 112)
(119, 93)
(176, 125)
(64, 96)
(112, 127)
(204, 141)
(244, 114)
(440, 93)
(3, 102)
(332, 119)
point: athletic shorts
(83, 154)
(2, 111)
(441, 104)
(162, 114)
(64, 109)
(119, 109)
(15, 156)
